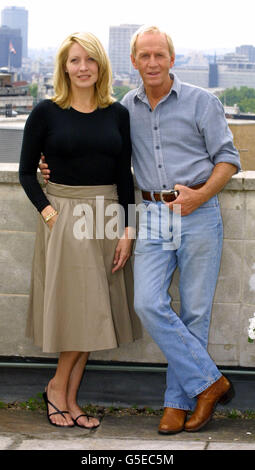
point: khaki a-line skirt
(75, 302)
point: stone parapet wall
(244, 139)
(234, 301)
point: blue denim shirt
(181, 140)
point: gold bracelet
(49, 216)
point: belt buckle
(168, 191)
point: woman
(81, 296)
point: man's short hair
(150, 29)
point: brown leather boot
(172, 421)
(220, 391)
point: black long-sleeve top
(83, 149)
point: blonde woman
(81, 297)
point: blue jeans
(196, 250)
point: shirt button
(155, 128)
(157, 147)
(164, 186)
(160, 166)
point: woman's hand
(52, 221)
(47, 211)
(124, 249)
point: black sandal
(48, 402)
(86, 427)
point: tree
(33, 88)
(244, 97)
(120, 91)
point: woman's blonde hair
(62, 84)
(150, 29)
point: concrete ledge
(244, 180)
(9, 173)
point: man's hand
(43, 166)
(189, 199)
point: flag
(11, 48)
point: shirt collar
(176, 88)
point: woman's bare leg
(58, 386)
(72, 391)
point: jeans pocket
(213, 202)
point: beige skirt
(75, 302)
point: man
(180, 141)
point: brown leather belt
(166, 195)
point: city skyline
(219, 27)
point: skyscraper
(10, 47)
(17, 18)
(119, 48)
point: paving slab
(34, 423)
(145, 427)
(5, 442)
(30, 430)
(231, 446)
(108, 444)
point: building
(119, 49)
(213, 76)
(192, 68)
(16, 99)
(197, 76)
(233, 69)
(17, 18)
(10, 47)
(5, 79)
(248, 51)
(14, 96)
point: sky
(193, 24)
